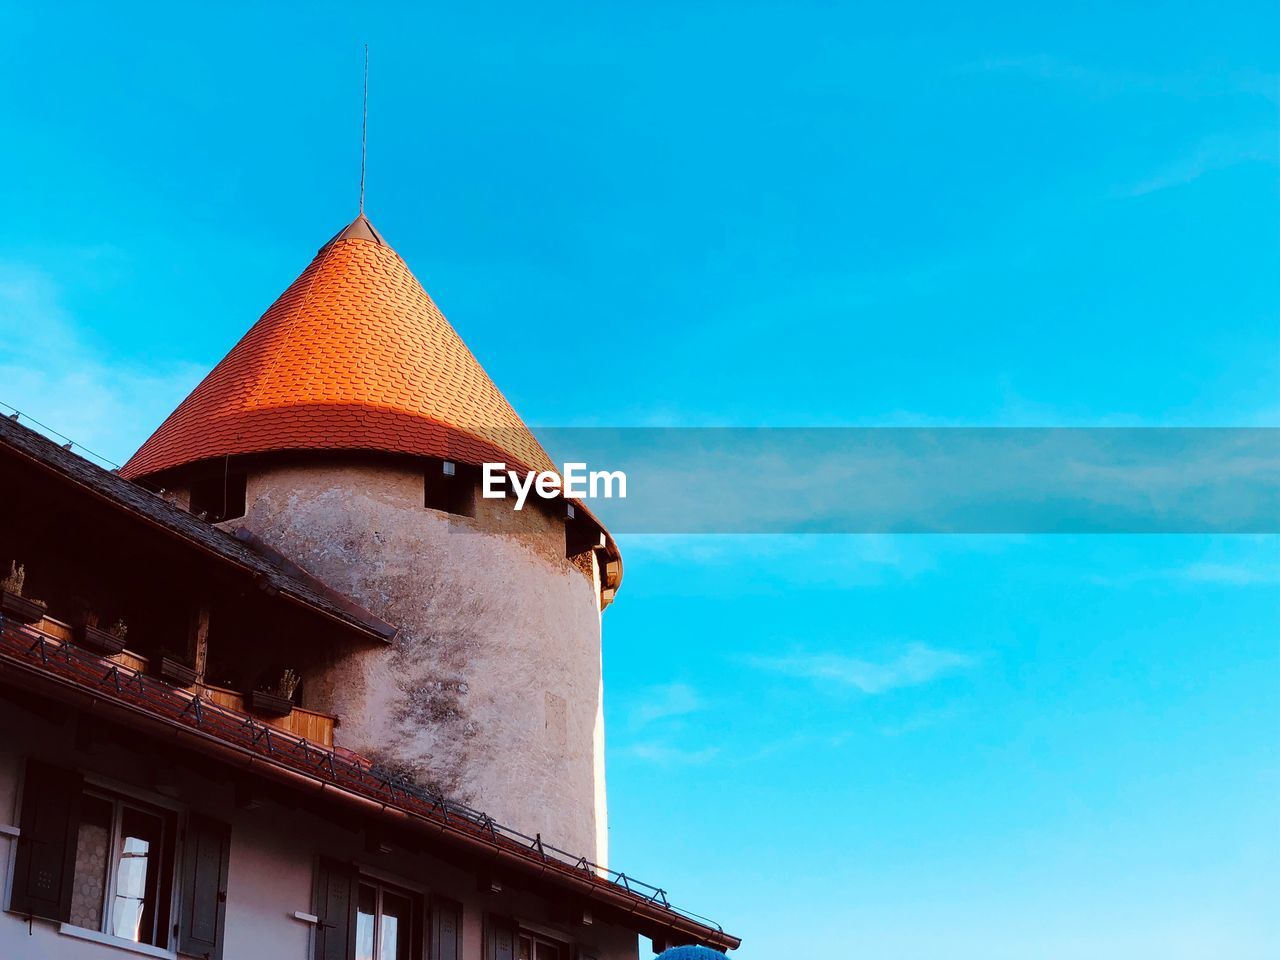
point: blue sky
(786, 215)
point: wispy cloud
(664, 702)
(779, 563)
(1210, 155)
(1259, 567)
(855, 480)
(1233, 574)
(1107, 80)
(915, 664)
(657, 717)
(50, 371)
(669, 755)
(922, 721)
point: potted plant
(110, 641)
(178, 668)
(13, 603)
(275, 701)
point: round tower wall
(491, 693)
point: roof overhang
(83, 681)
(146, 507)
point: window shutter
(500, 939)
(203, 912)
(446, 929)
(46, 858)
(335, 906)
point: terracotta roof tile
(354, 355)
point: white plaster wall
(269, 877)
(492, 691)
(273, 854)
(269, 868)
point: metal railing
(68, 660)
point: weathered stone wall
(492, 691)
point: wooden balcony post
(198, 641)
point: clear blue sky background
(881, 747)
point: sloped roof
(252, 558)
(354, 355)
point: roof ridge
(361, 228)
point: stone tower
(345, 430)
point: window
(362, 917)
(384, 922)
(122, 879)
(220, 497)
(533, 947)
(105, 862)
(450, 487)
(581, 536)
(507, 940)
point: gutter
(647, 917)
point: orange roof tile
(353, 356)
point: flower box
(176, 672)
(20, 608)
(269, 704)
(103, 641)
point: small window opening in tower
(450, 487)
(581, 535)
(220, 496)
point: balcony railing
(24, 645)
(309, 724)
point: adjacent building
(286, 685)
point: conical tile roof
(353, 356)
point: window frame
(37, 776)
(167, 874)
(454, 492)
(537, 935)
(95, 783)
(419, 898)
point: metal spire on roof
(364, 128)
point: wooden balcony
(311, 724)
